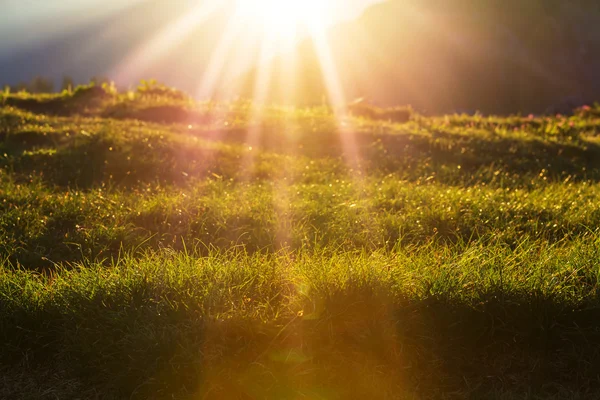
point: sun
(285, 19)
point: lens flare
(285, 19)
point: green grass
(237, 251)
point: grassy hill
(154, 247)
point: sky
(27, 22)
(129, 40)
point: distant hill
(460, 55)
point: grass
(238, 251)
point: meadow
(155, 247)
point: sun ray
(336, 96)
(282, 20)
(219, 59)
(152, 50)
(261, 87)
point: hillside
(152, 247)
(495, 57)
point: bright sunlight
(285, 19)
(250, 34)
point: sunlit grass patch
(277, 252)
(327, 314)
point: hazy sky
(27, 21)
(18, 11)
(84, 38)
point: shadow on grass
(85, 100)
(96, 101)
(126, 160)
(94, 161)
(442, 154)
(350, 344)
(166, 114)
(417, 156)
